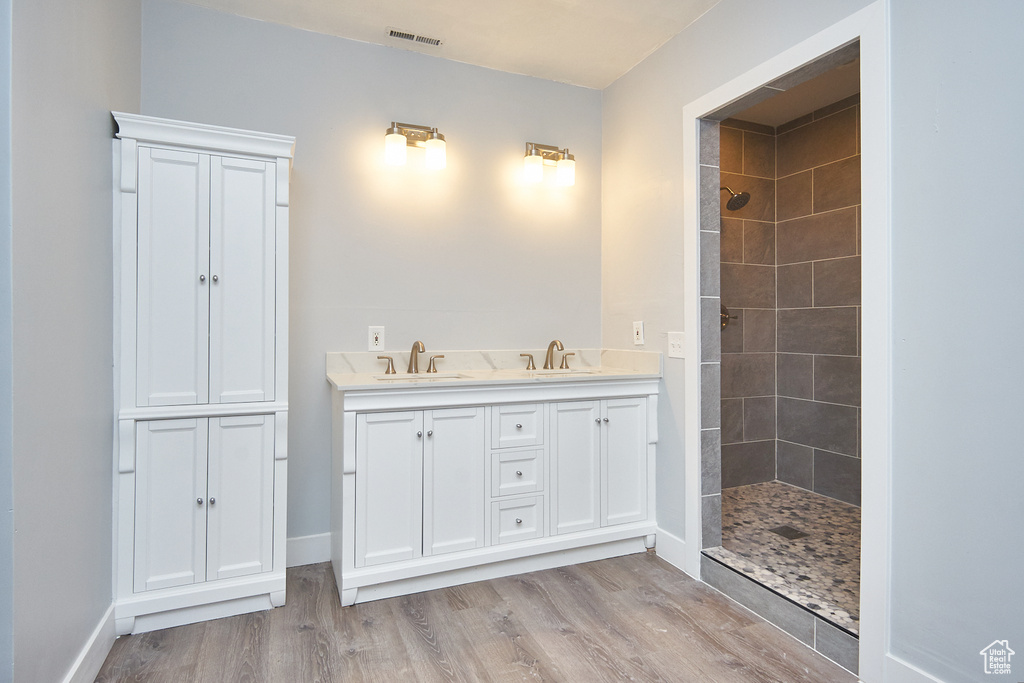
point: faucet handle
(565, 360)
(391, 364)
(529, 364)
(430, 365)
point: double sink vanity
(486, 466)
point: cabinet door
(170, 503)
(575, 466)
(173, 278)
(453, 480)
(389, 487)
(624, 461)
(240, 513)
(242, 244)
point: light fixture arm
(549, 153)
(415, 135)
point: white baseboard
(899, 671)
(95, 651)
(672, 549)
(309, 549)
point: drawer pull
(419, 435)
(598, 420)
(519, 473)
(430, 432)
(519, 520)
(213, 501)
(519, 426)
(606, 419)
(199, 501)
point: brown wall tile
(732, 240)
(820, 142)
(759, 243)
(829, 109)
(740, 124)
(837, 379)
(761, 206)
(793, 196)
(748, 374)
(794, 286)
(837, 282)
(794, 124)
(748, 286)
(731, 154)
(822, 236)
(732, 335)
(759, 330)
(759, 155)
(819, 425)
(831, 331)
(748, 463)
(837, 185)
(759, 418)
(795, 375)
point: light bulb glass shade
(435, 156)
(565, 172)
(533, 168)
(394, 149)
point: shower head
(738, 199)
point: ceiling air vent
(405, 35)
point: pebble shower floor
(820, 571)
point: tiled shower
(781, 460)
(790, 274)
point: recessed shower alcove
(780, 326)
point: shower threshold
(818, 568)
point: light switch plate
(376, 338)
(638, 332)
(676, 344)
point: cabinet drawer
(517, 520)
(515, 472)
(517, 425)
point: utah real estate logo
(997, 657)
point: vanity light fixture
(538, 156)
(400, 136)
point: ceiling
(583, 42)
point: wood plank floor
(629, 618)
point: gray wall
(6, 396)
(467, 258)
(642, 236)
(72, 62)
(958, 474)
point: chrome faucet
(414, 359)
(549, 360)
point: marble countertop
(361, 371)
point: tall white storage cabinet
(201, 371)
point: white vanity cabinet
(448, 484)
(201, 371)
(204, 500)
(420, 489)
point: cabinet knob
(519, 473)
(202, 278)
(518, 520)
(519, 426)
(213, 500)
(598, 420)
(199, 501)
(214, 278)
(430, 432)
(419, 435)
(606, 419)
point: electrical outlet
(376, 340)
(676, 344)
(638, 332)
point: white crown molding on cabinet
(149, 129)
